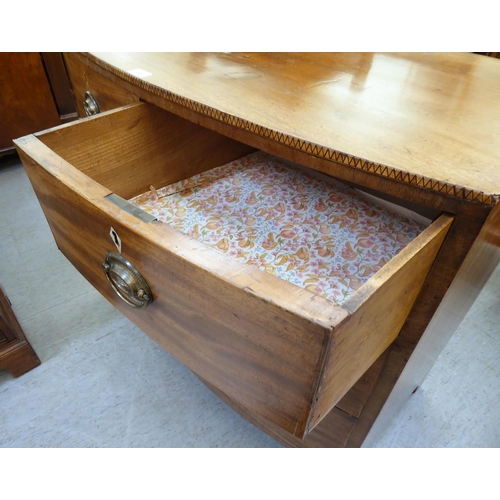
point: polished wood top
(432, 120)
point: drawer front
(221, 332)
(83, 79)
(280, 351)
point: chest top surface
(427, 119)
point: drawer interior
(140, 145)
(300, 226)
(258, 327)
(293, 223)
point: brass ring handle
(90, 105)
(126, 281)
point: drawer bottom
(307, 229)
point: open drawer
(279, 350)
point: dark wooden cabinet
(35, 95)
(16, 354)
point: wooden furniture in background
(57, 76)
(237, 311)
(35, 94)
(489, 54)
(418, 130)
(84, 79)
(16, 354)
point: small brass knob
(90, 105)
(126, 281)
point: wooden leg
(16, 354)
(18, 357)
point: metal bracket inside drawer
(130, 208)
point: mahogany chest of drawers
(306, 370)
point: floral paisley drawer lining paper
(315, 233)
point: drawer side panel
(378, 312)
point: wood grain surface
(26, 104)
(16, 354)
(105, 92)
(261, 340)
(413, 128)
(378, 310)
(256, 337)
(60, 85)
(130, 150)
(424, 119)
